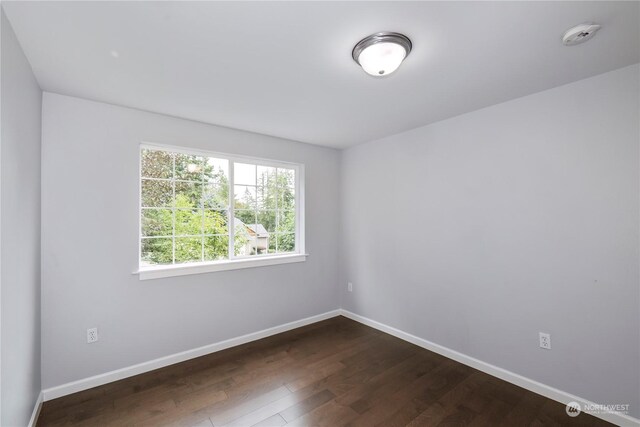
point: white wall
(90, 158)
(480, 231)
(20, 236)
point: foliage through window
(198, 208)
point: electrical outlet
(350, 287)
(545, 341)
(92, 335)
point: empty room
(320, 213)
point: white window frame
(234, 262)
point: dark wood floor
(336, 372)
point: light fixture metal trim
(381, 37)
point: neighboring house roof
(258, 229)
(253, 229)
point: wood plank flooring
(332, 373)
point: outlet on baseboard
(545, 340)
(92, 335)
(350, 287)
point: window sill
(199, 268)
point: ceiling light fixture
(381, 53)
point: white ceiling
(285, 69)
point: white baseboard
(87, 383)
(503, 374)
(36, 410)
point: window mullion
(275, 233)
(173, 209)
(296, 189)
(202, 207)
(231, 222)
(255, 211)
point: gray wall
(20, 236)
(90, 158)
(480, 231)
(514, 219)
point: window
(203, 212)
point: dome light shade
(381, 54)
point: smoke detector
(580, 33)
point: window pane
(258, 239)
(216, 196)
(189, 167)
(287, 178)
(246, 217)
(266, 197)
(157, 222)
(216, 247)
(188, 222)
(266, 176)
(156, 194)
(286, 200)
(272, 243)
(216, 171)
(244, 197)
(156, 164)
(188, 249)
(268, 220)
(286, 221)
(262, 244)
(244, 241)
(286, 242)
(188, 194)
(215, 222)
(244, 174)
(157, 251)
(286, 189)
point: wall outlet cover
(92, 335)
(545, 340)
